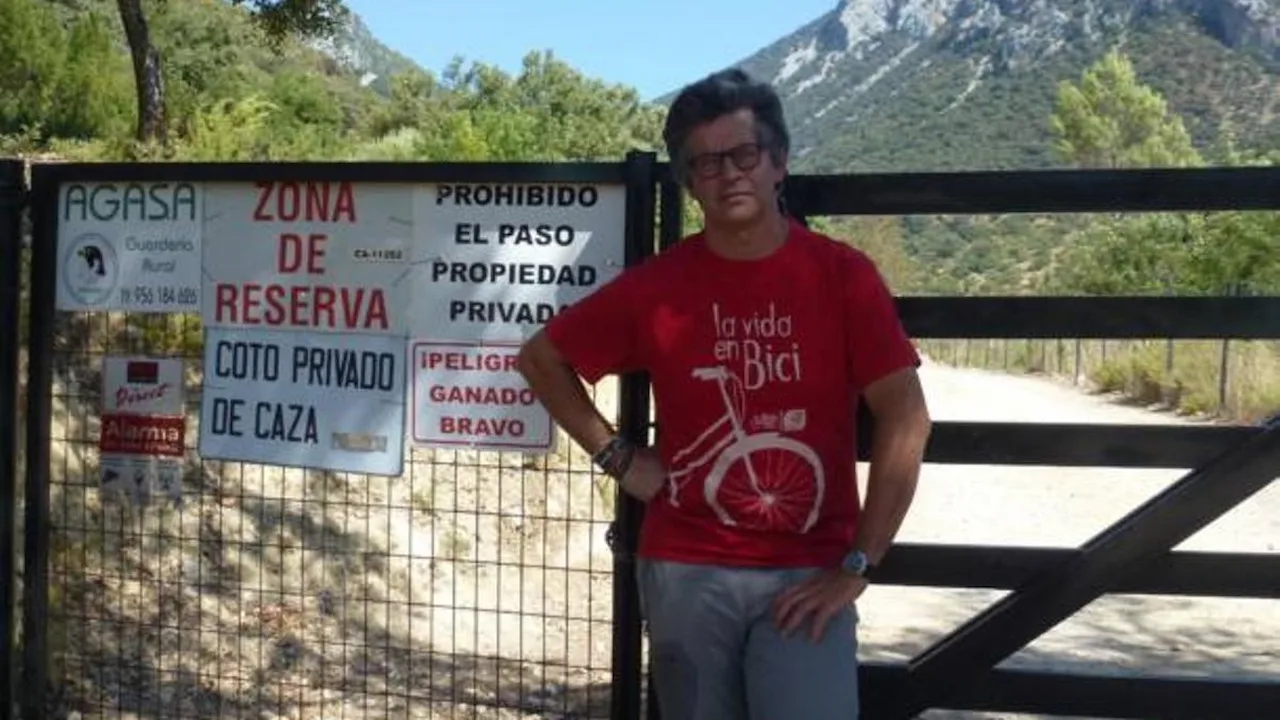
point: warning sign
(472, 395)
(142, 440)
(497, 261)
(313, 256)
(308, 400)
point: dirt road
(1064, 507)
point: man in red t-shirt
(759, 336)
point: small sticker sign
(142, 439)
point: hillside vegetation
(478, 579)
(233, 94)
(899, 85)
(958, 114)
(236, 95)
(1109, 118)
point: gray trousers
(717, 655)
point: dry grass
(476, 584)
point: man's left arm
(902, 428)
(882, 369)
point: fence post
(12, 197)
(35, 585)
(1224, 358)
(633, 424)
(670, 230)
(1079, 360)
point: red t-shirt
(756, 368)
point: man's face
(730, 174)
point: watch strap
(615, 457)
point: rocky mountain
(359, 50)
(970, 84)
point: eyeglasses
(745, 157)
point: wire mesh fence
(476, 584)
(472, 585)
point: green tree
(409, 101)
(32, 54)
(881, 238)
(1111, 120)
(1136, 255)
(548, 112)
(278, 18)
(91, 95)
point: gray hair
(718, 94)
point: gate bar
(1078, 694)
(12, 197)
(633, 424)
(970, 652)
(670, 231)
(35, 586)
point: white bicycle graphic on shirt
(784, 481)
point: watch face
(855, 562)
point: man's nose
(729, 169)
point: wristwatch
(615, 457)
(858, 564)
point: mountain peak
(867, 19)
(977, 77)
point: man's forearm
(897, 451)
(564, 395)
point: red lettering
(486, 361)
(481, 395)
(483, 427)
(287, 202)
(324, 304)
(289, 253)
(291, 250)
(264, 196)
(127, 396)
(344, 206)
(306, 202)
(315, 251)
(224, 308)
(342, 307)
(142, 435)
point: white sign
(309, 400)
(142, 386)
(497, 261)
(329, 257)
(141, 478)
(473, 396)
(129, 246)
(141, 442)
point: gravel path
(1064, 507)
(477, 581)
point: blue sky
(652, 45)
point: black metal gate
(12, 202)
(113, 623)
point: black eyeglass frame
(745, 156)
